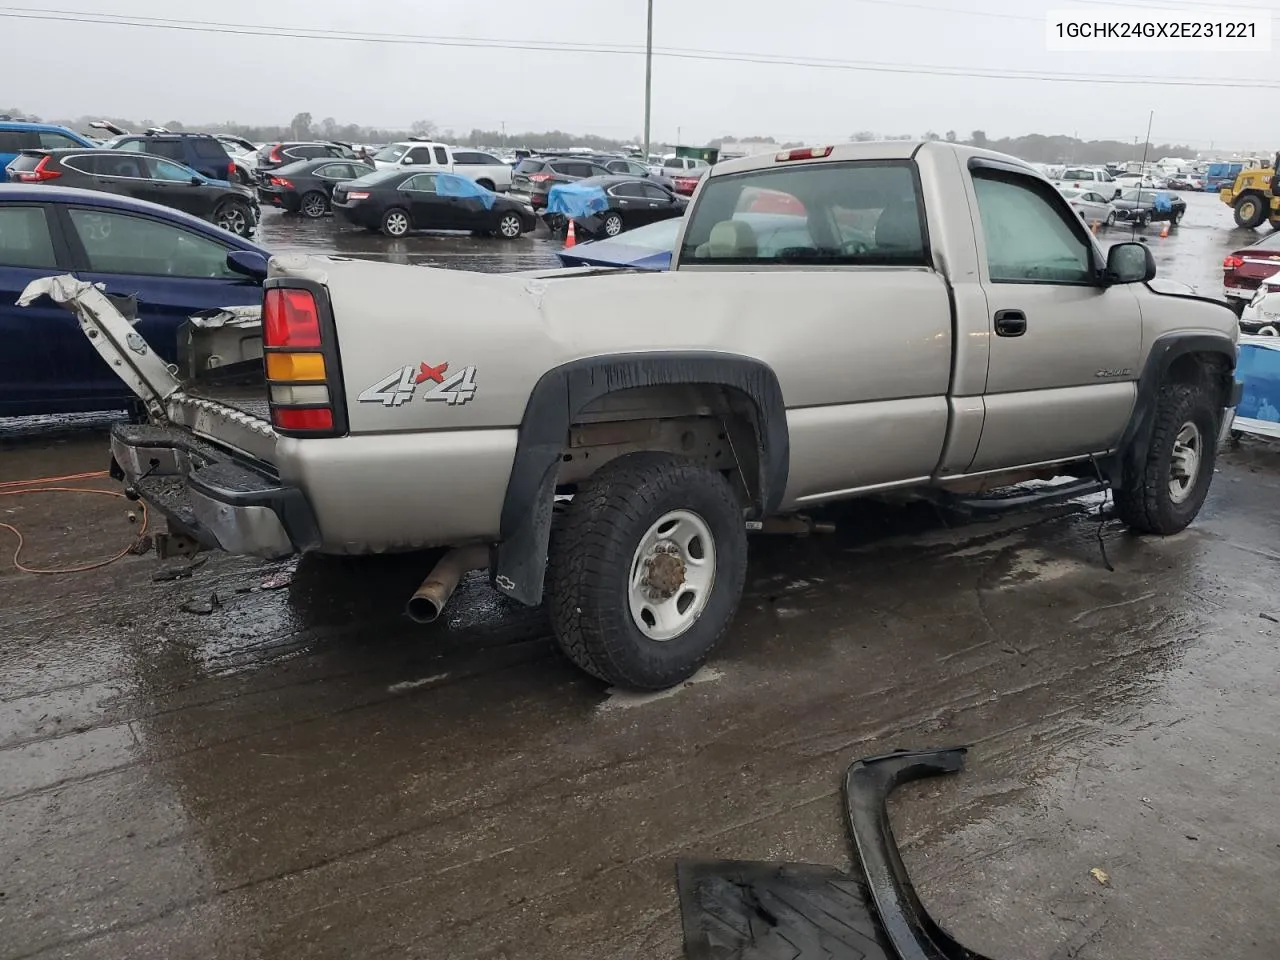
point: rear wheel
(395, 222)
(510, 227)
(314, 205)
(646, 569)
(1111, 219)
(1250, 211)
(487, 184)
(1169, 486)
(613, 224)
(234, 216)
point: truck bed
(248, 398)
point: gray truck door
(1063, 367)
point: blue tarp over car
(452, 185)
(577, 200)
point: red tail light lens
(539, 177)
(358, 195)
(231, 171)
(1232, 263)
(276, 156)
(290, 319)
(39, 174)
(281, 182)
(318, 418)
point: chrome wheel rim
(397, 224)
(314, 207)
(510, 225)
(613, 226)
(232, 219)
(673, 571)
(1184, 466)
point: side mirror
(248, 263)
(196, 181)
(1130, 263)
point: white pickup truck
(485, 169)
(928, 319)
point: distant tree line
(1034, 147)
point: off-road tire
(1144, 501)
(1250, 210)
(592, 547)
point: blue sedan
(171, 263)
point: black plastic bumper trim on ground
(867, 785)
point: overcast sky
(70, 69)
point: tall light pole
(648, 79)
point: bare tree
(862, 136)
(423, 128)
(951, 136)
(300, 126)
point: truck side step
(990, 506)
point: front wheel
(235, 217)
(1169, 486)
(1250, 211)
(613, 224)
(395, 222)
(1111, 219)
(510, 227)
(314, 206)
(646, 569)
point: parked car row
(1136, 206)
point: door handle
(1010, 323)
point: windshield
(392, 153)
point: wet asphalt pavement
(289, 767)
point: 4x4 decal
(399, 387)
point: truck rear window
(828, 213)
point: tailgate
(221, 397)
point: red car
(1244, 269)
(685, 183)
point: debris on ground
(179, 571)
(202, 608)
(1100, 875)
(277, 582)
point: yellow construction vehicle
(1252, 198)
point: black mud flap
(789, 911)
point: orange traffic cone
(570, 238)
(1165, 232)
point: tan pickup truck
(837, 322)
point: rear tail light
(539, 177)
(301, 373)
(39, 174)
(803, 153)
(358, 195)
(276, 156)
(231, 171)
(281, 182)
(1232, 263)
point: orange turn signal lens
(295, 366)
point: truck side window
(1029, 239)
(854, 213)
(442, 157)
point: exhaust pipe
(428, 600)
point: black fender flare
(564, 391)
(1164, 351)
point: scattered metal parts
(179, 571)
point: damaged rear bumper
(221, 501)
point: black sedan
(398, 201)
(606, 206)
(1141, 207)
(143, 177)
(306, 186)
